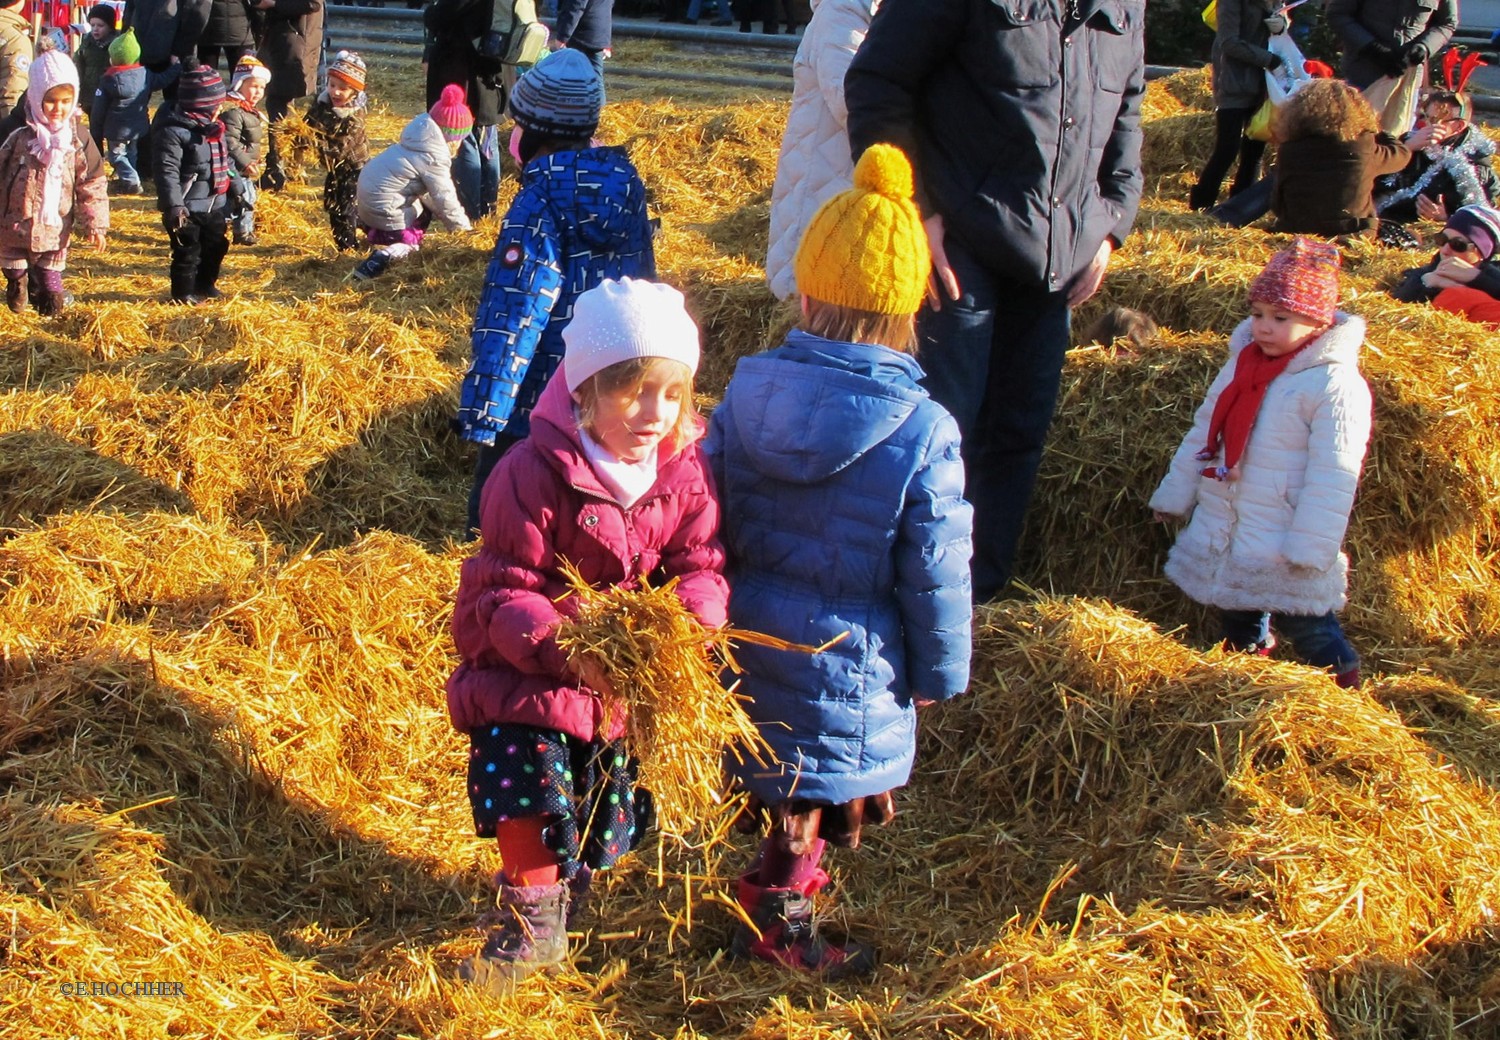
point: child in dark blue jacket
(191, 154)
(119, 118)
(843, 513)
(579, 218)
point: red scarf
(1236, 409)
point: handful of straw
(665, 666)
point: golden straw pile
(226, 562)
(664, 667)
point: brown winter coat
(342, 142)
(84, 199)
(1326, 186)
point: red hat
(1303, 279)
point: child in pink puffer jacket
(610, 479)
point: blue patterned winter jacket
(579, 218)
(843, 510)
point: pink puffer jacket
(543, 504)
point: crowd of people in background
(954, 181)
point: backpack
(515, 37)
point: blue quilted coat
(843, 510)
(579, 218)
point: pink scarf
(52, 146)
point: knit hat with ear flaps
(1480, 225)
(1303, 279)
(125, 49)
(249, 67)
(349, 67)
(866, 248)
(51, 68)
(200, 89)
(561, 96)
(623, 320)
(451, 114)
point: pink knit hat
(452, 114)
(1303, 279)
(51, 68)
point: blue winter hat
(562, 96)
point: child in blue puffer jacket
(579, 218)
(843, 512)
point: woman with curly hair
(1329, 150)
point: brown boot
(531, 933)
(15, 292)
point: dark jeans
(994, 359)
(273, 177)
(489, 454)
(1229, 140)
(1246, 207)
(1318, 641)
(476, 172)
(198, 249)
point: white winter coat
(410, 176)
(1271, 540)
(815, 162)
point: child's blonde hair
(1325, 108)
(627, 377)
(851, 325)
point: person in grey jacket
(1386, 37)
(1240, 63)
(1022, 118)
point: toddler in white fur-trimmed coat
(1267, 475)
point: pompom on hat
(125, 49)
(349, 67)
(1303, 279)
(561, 96)
(1480, 225)
(249, 67)
(624, 320)
(866, 248)
(451, 114)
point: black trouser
(273, 177)
(339, 203)
(198, 249)
(209, 55)
(1229, 139)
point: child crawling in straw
(611, 480)
(1267, 475)
(844, 515)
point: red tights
(524, 857)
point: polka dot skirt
(587, 786)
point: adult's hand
(1432, 209)
(944, 280)
(1091, 277)
(1427, 135)
(1456, 270)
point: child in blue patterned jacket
(842, 489)
(580, 217)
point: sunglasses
(1456, 243)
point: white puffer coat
(815, 162)
(1271, 540)
(411, 175)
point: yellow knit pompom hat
(866, 248)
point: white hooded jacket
(410, 176)
(1271, 540)
(816, 163)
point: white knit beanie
(622, 320)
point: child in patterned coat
(337, 119)
(580, 217)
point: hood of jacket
(424, 136)
(782, 413)
(1338, 346)
(607, 177)
(554, 429)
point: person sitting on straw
(610, 480)
(1267, 475)
(843, 500)
(1464, 277)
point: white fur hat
(622, 320)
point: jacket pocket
(1024, 49)
(1116, 32)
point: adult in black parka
(291, 43)
(453, 26)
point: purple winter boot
(531, 933)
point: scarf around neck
(218, 149)
(1236, 409)
(52, 147)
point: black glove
(1416, 54)
(1388, 60)
(177, 218)
(1276, 63)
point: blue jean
(695, 9)
(476, 172)
(242, 216)
(994, 359)
(122, 161)
(1316, 640)
(596, 59)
